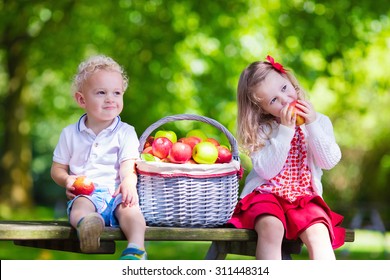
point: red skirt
(296, 216)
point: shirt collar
(82, 127)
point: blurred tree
(186, 57)
(21, 24)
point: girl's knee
(317, 233)
(268, 225)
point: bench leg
(217, 251)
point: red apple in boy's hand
(180, 153)
(191, 140)
(224, 155)
(83, 185)
(161, 147)
(299, 119)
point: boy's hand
(129, 194)
(69, 186)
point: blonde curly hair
(94, 64)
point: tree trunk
(15, 161)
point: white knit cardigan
(323, 153)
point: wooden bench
(59, 235)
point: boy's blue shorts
(105, 205)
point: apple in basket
(83, 185)
(180, 153)
(149, 142)
(171, 135)
(213, 140)
(161, 147)
(205, 152)
(191, 140)
(198, 133)
(224, 155)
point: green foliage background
(186, 57)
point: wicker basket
(188, 195)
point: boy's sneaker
(89, 231)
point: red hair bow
(277, 66)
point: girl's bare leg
(270, 233)
(318, 243)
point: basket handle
(181, 117)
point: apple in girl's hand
(180, 153)
(161, 147)
(198, 133)
(212, 140)
(171, 135)
(224, 155)
(205, 152)
(299, 119)
(192, 140)
(83, 185)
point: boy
(104, 149)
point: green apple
(171, 135)
(198, 133)
(205, 152)
(148, 157)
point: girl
(282, 196)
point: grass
(368, 245)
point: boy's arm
(60, 175)
(128, 185)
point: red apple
(224, 155)
(299, 119)
(212, 140)
(171, 135)
(180, 153)
(192, 140)
(83, 185)
(148, 150)
(161, 147)
(205, 152)
(149, 141)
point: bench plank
(59, 235)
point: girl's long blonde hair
(254, 125)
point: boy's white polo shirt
(97, 156)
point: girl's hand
(306, 110)
(287, 117)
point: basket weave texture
(188, 195)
